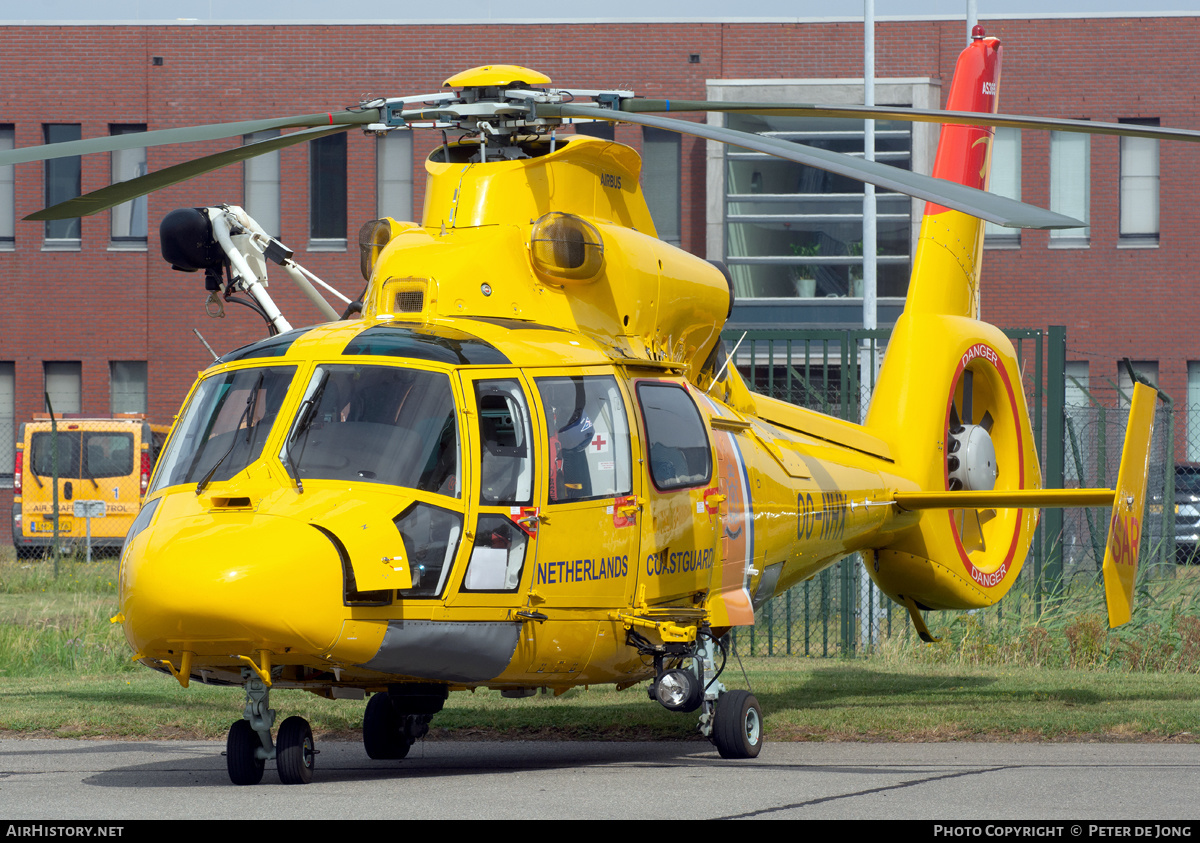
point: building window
(394, 176)
(661, 181)
(129, 218)
(8, 422)
(1192, 448)
(127, 386)
(261, 184)
(63, 181)
(1005, 180)
(327, 192)
(1147, 369)
(1139, 187)
(793, 231)
(1070, 184)
(1081, 420)
(8, 196)
(602, 129)
(64, 386)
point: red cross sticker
(599, 442)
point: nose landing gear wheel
(294, 752)
(241, 754)
(737, 725)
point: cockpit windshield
(378, 424)
(224, 427)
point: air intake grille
(410, 301)
(407, 295)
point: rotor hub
(971, 459)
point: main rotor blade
(977, 203)
(115, 194)
(185, 134)
(912, 115)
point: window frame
(328, 193)
(132, 216)
(66, 234)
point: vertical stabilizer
(945, 276)
(949, 399)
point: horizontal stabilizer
(1002, 498)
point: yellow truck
(102, 468)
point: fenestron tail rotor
(970, 458)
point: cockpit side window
(506, 459)
(225, 425)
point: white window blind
(261, 176)
(393, 174)
(1139, 187)
(127, 386)
(1005, 181)
(1070, 182)
(64, 385)
(128, 218)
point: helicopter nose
(225, 585)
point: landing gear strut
(248, 746)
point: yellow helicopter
(524, 460)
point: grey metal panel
(445, 650)
(766, 586)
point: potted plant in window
(856, 269)
(804, 275)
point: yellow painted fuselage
(527, 449)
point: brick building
(95, 317)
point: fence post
(1056, 397)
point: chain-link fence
(822, 370)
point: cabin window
(224, 426)
(376, 424)
(676, 440)
(589, 438)
(497, 556)
(505, 459)
(430, 536)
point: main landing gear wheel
(241, 754)
(294, 752)
(737, 725)
(383, 729)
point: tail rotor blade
(968, 396)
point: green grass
(1054, 673)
